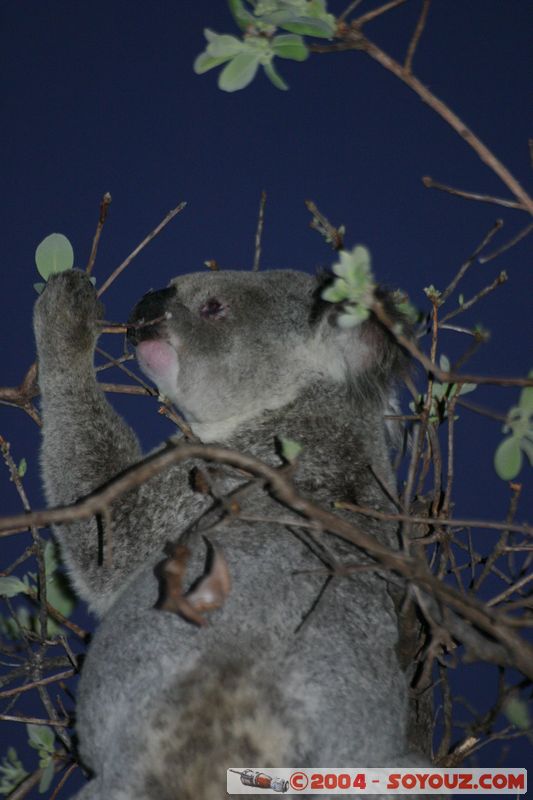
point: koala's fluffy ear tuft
(374, 359)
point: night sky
(101, 97)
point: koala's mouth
(147, 332)
(157, 358)
(148, 316)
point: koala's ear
(373, 359)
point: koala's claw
(66, 314)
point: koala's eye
(213, 309)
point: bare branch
(259, 232)
(469, 261)
(121, 267)
(348, 10)
(429, 183)
(104, 206)
(507, 246)
(501, 278)
(333, 236)
(354, 39)
(377, 12)
(492, 623)
(419, 29)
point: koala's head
(225, 346)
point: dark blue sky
(101, 96)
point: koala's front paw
(65, 317)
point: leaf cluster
(519, 425)
(58, 595)
(353, 287)
(260, 45)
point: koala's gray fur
(295, 669)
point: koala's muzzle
(147, 315)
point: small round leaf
(508, 458)
(274, 76)
(54, 254)
(239, 72)
(11, 586)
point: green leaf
(337, 292)
(354, 284)
(354, 316)
(526, 397)
(439, 390)
(274, 76)
(222, 45)
(59, 595)
(354, 267)
(444, 363)
(47, 777)
(22, 467)
(10, 586)
(517, 712)
(466, 388)
(409, 311)
(39, 287)
(41, 737)
(12, 773)
(54, 254)
(290, 46)
(240, 14)
(205, 62)
(58, 592)
(50, 558)
(527, 448)
(508, 458)
(239, 72)
(289, 448)
(307, 26)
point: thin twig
(377, 12)
(442, 375)
(24, 788)
(259, 232)
(121, 267)
(104, 205)
(42, 682)
(429, 183)
(114, 362)
(449, 475)
(485, 412)
(354, 39)
(510, 590)
(22, 396)
(58, 616)
(501, 544)
(332, 235)
(35, 720)
(124, 388)
(37, 543)
(469, 261)
(408, 63)
(63, 780)
(501, 278)
(509, 644)
(347, 11)
(507, 246)
(435, 521)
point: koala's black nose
(151, 308)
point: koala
(299, 666)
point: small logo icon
(299, 781)
(260, 780)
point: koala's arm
(86, 443)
